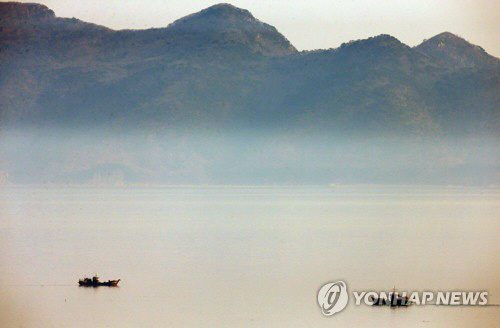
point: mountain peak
(226, 9)
(226, 24)
(446, 39)
(380, 43)
(447, 35)
(455, 52)
(219, 16)
(24, 11)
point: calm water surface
(243, 256)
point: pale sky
(313, 24)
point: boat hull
(109, 283)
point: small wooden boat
(94, 282)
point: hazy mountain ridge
(219, 96)
(219, 57)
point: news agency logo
(333, 297)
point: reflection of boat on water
(94, 282)
(393, 300)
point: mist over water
(79, 201)
(258, 156)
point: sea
(245, 256)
